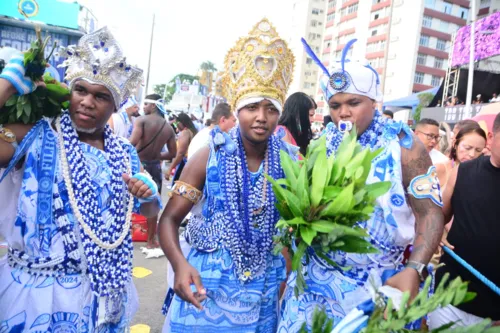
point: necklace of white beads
(74, 206)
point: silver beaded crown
(99, 59)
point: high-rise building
(487, 7)
(406, 41)
(308, 22)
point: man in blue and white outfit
(409, 212)
(68, 188)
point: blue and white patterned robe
(391, 229)
(231, 305)
(64, 303)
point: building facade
(487, 7)
(406, 41)
(308, 22)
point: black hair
(220, 110)
(466, 129)
(428, 121)
(389, 113)
(295, 118)
(326, 120)
(496, 124)
(155, 97)
(314, 103)
(185, 120)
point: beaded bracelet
(186, 191)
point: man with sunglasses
(427, 130)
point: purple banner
(486, 40)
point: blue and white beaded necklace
(380, 131)
(369, 138)
(109, 258)
(251, 216)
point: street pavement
(151, 289)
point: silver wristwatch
(421, 269)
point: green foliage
(322, 198)
(482, 327)
(386, 319)
(35, 61)
(320, 324)
(425, 99)
(454, 294)
(160, 88)
(45, 101)
(208, 66)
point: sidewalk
(3, 247)
(152, 289)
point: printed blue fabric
(235, 302)
(53, 292)
(391, 229)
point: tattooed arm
(428, 216)
(429, 219)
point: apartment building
(308, 22)
(406, 41)
(487, 7)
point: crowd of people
(454, 100)
(77, 179)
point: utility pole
(386, 49)
(150, 52)
(470, 80)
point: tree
(425, 100)
(159, 89)
(167, 95)
(208, 66)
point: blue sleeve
(291, 150)
(394, 129)
(23, 147)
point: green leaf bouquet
(322, 198)
(47, 100)
(386, 318)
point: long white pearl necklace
(74, 205)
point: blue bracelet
(146, 179)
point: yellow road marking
(140, 328)
(141, 272)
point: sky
(187, 32)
